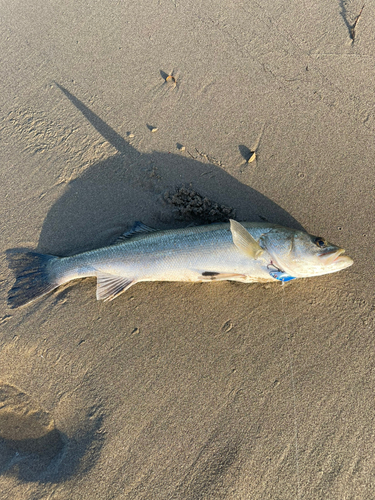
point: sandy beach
(117, 111)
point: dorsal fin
(244, 241)
(138, 229)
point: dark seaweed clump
(191, 206)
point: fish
(246, 252)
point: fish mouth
(336, 257)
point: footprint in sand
(24, 426)
(33, 449)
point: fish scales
(176, 255)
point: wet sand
(188, 391)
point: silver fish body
(171, 255)
(246, 252)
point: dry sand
(188, 391)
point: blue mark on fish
(281, 276)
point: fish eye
(320, 242)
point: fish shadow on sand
(110, 195)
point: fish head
(302, 255)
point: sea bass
(248, 252)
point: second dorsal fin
(138, 229)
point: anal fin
(109, 286)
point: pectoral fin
(244, 241)
(108, 286)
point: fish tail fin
(33, 277)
